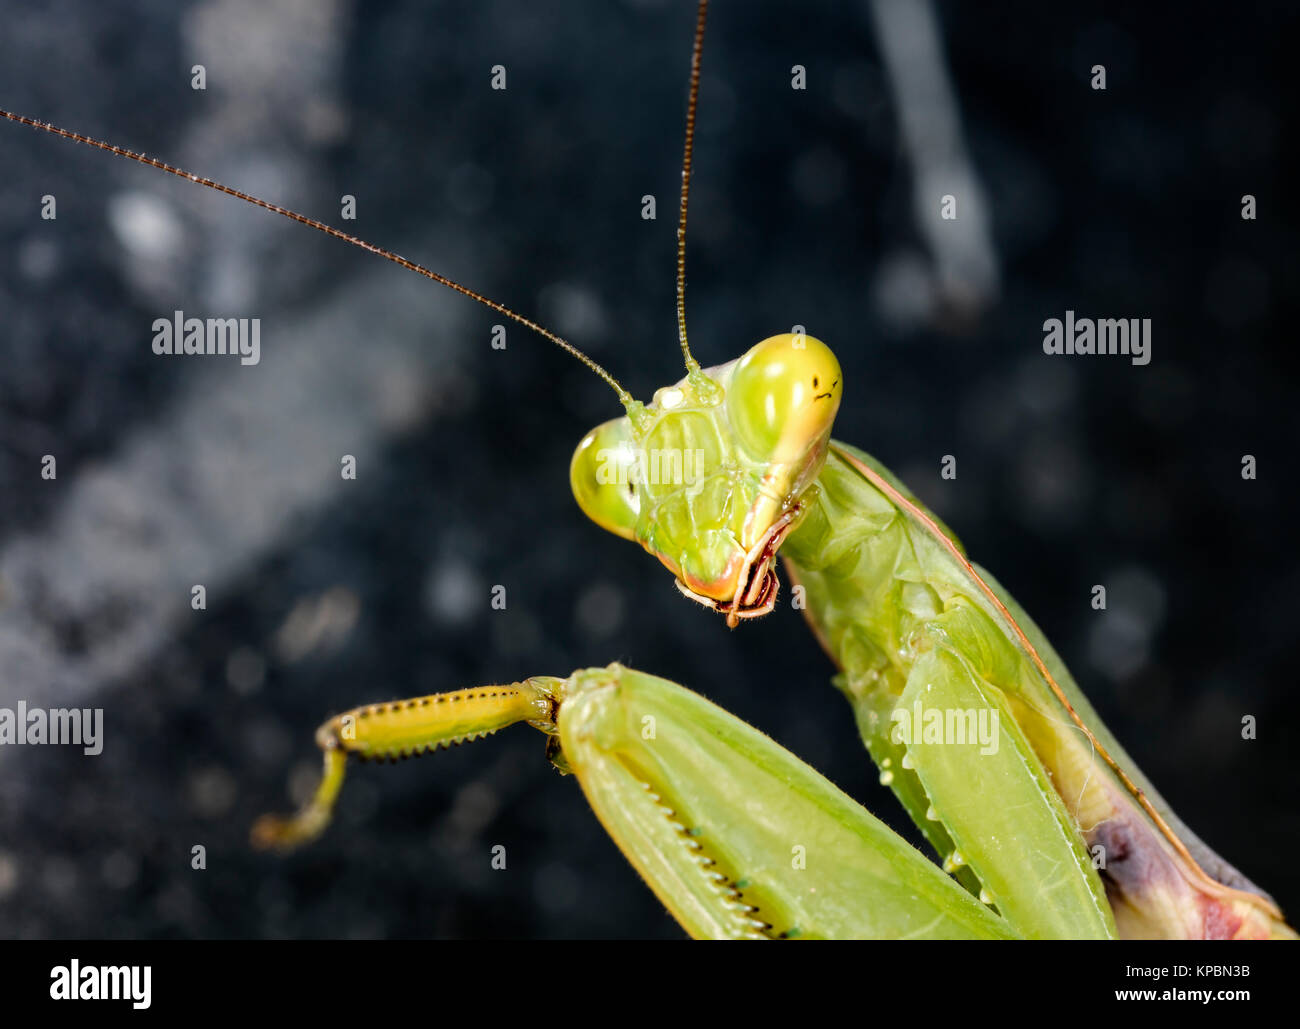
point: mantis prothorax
(735, 835)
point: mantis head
(715, 472)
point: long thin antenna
(624, 397)
(697, 53)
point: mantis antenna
(697, 52)
(624, 397)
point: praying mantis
(701, 391)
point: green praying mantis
(1044, 826)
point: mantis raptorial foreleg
(980, 772)
(887, 585)
(737, 837)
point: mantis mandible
(907, 620)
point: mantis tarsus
(809, 572)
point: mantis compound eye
(603, 477)
(783, 397)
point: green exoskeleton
(1044, 826)
(916, 630)
(970, 715)
(738, 838)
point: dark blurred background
(813, 207)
